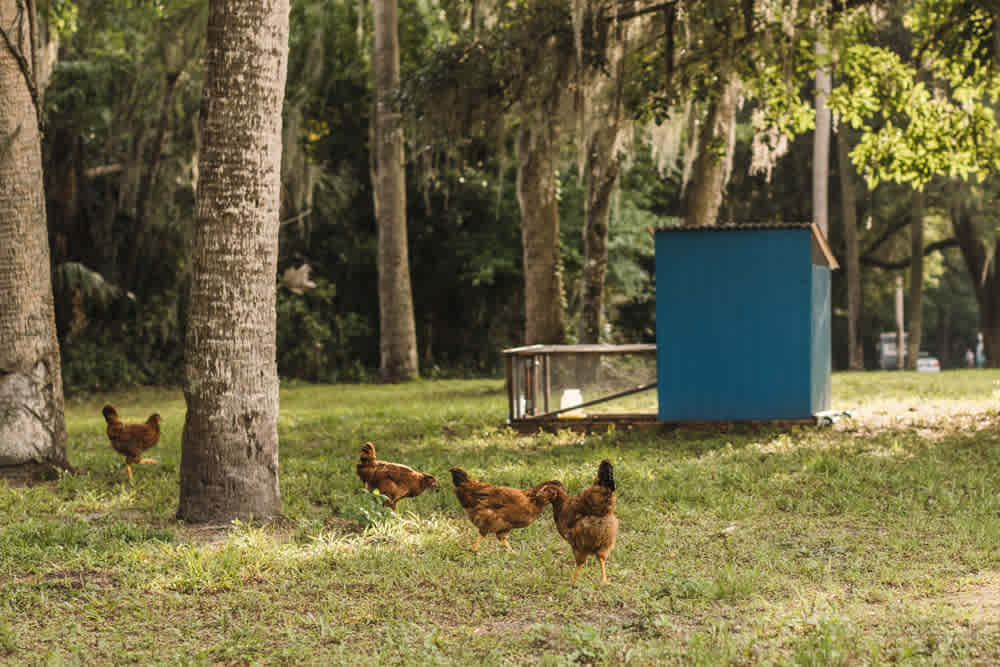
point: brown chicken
(588, 521)
(499, 509)
(131, 440)
(393, 480)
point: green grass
(872, 541)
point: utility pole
(900, 332)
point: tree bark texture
(32, 420)
(544, 310)
(852, 253)
(229, 449)
(602, 172)
(916, 280)
(821, 149)
(397, 329)
(602, 168)
(972, 242)
(711, 167)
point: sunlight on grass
(871, 541)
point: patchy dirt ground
(932, 419)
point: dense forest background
(120, 149)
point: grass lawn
(874, 540)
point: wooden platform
(600, 423)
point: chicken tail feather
(606, 475)
(459, 476)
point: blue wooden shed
(743, 322)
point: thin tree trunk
(602, 172)
(229, 448)
(602, 169)
(712, 166)
(536, 193)
(397, 329)
(32, 420)
(852, 260)
(916, 280)
(821, 149)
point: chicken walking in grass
(588, 521)
(395, 481)
(131, 440)
(499, 509)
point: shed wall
(733, 325)
(822, 364)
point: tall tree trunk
(397, 330)
(972, 241)
(712, 166)
(821, 148)
(537, 150)
(852, 253)
(32, 420)
(229, 448)
(602, 172)
(602, 169)
(916, 280)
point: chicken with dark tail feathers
(499, 509)
(131, 440)
(588, 521)
(395, 481)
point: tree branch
(898, 225)
(903, 263)
(642, 12)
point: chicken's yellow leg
(507, 544)
(576, 573)
(128, 466)
(147, 461)
(604, 572)
(475, 547)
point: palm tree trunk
(397, 329)
(229, 448)
(32, 420)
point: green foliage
(313, 339)
(367, 508)
(919, 123)
(88, 367)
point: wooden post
(900, 331)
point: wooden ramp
(601, 423)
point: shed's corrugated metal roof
(822, 254)
(529, 350)
(736, 226)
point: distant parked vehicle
(928, 364)
(887, 350)
(887, 355)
